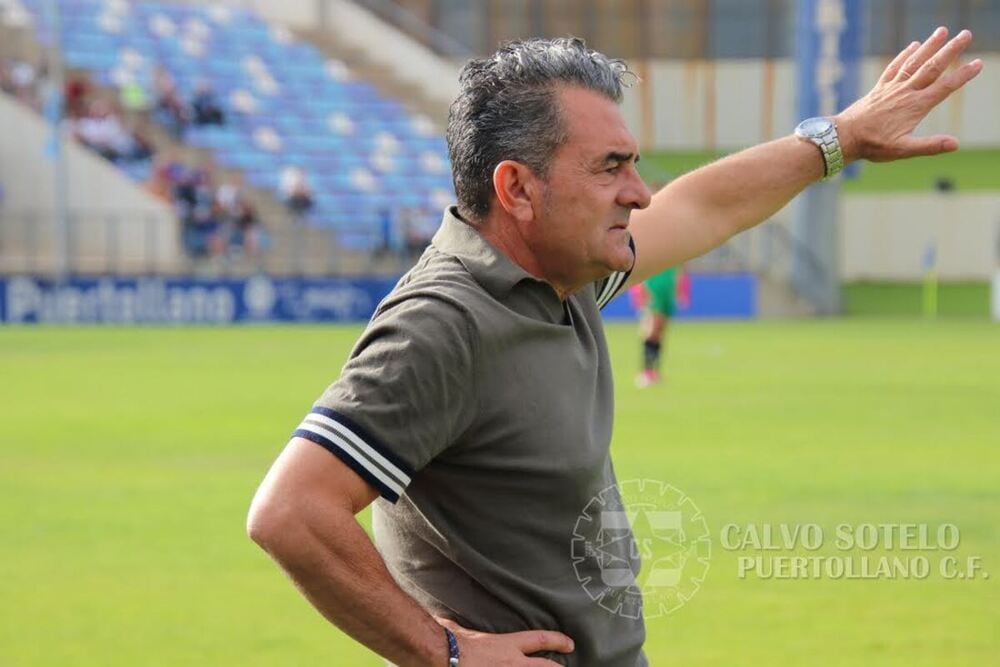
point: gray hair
(508, 109)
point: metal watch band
(833, 156)
(453, 653)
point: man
(205, 106)
(478, 401)
(657, 300)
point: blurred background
(304, 138)
(165, 164)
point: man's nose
(635, 194)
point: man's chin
(622, 257)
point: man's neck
(503, 235)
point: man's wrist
(434, 647)
(849, 144)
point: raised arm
(704, 208)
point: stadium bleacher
(286, 102)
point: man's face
(579, 228)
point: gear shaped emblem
(641, 520)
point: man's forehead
(595, 124)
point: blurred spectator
(103, 131)
(75, 96)
(418, 230)
(239, 216)
(25, 80)
(6, 83)
(21, 79)
(194, 200)
(206, 107)
(167, 174)
(168, 109)
(295, 190)
(133, 96)
(387, 232)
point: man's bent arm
(303, 515)
(701, 210)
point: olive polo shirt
(480, 406)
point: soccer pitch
(128, 458)
(968, 169)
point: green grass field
(128, 458)
(887, 299)
(969, 169)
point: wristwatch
(822, 131)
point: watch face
(815, 127)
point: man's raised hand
(879, 126)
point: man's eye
(613, 169)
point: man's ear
(516, 186)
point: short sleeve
(405, 394)
(608, 288)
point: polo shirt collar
(492, 269)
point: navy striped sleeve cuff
(364, 454)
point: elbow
(266, 521)
(258, 524)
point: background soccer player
(658, 298)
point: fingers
(893, 67)
(912, 64)
(946, 85)
(935, 145)
(938, 63)
(534, 641)
(527, 643)
(539, 662)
